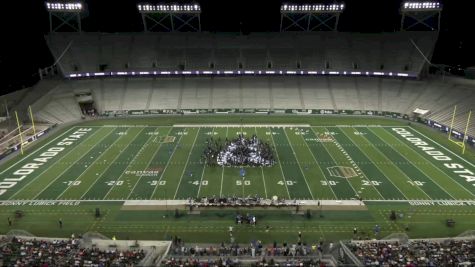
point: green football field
(119, 162)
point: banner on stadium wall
(455, 133)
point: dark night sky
(26, 50)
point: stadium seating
(95, 52)
(266, 93)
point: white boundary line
(49, 167)
(450, 151)
(435, 166)
(413, 164)
(280, 165)
(148, 165)
(132, 161)
(69, 167)
(376, 165)
(203, 172)
(337, 201)
(234, 125)
(298, 163)
(36, 150)
(222, 171)
(262, 170)
(334, 161)
(316, 162)
(186, 163)
(111, 163)
(345, 153)
(166, 165)
(428, 160)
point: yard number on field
(286, 182)
(155, 183)
(329, 183)
(416, 183)
(112, 183)
(72, 183)
(370, 183)
(246, 182)
(198, 182)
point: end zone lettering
(29, 168)
(456, 168)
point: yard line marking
(130, 163)
(415, 165)
(358, 169)
(431, 163)
(203, 172)
(278, 159)
(166, 165)
(318, 165)
(380, 152)
(112, 162)
(38, 149)
(70, 165)
(334, 161)
(262, 169)
(186, 163)
(298, 163)
(59, 160)
(148, 165)
(222, 172)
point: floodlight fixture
(423, 15)
(310, 17)
(74, 7)
(65, 15)
(421, 6)
(169, 8)
(170, 17)
(312, 8)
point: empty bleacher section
(96, 52)
(265, 93)
(56, 105)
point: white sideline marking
(251, 125)
(36, 150)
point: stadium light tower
(64, 15)
(310, 17)
(420, 15)
(170, 17)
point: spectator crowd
(416, 253)
(254, 254)
(21, 252)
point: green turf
(128, 159)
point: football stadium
(178, 146)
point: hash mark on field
(112, 162)
(130, 163)
(148, 165)
(280, 165)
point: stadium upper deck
(316, 51)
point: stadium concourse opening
(305, 146)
